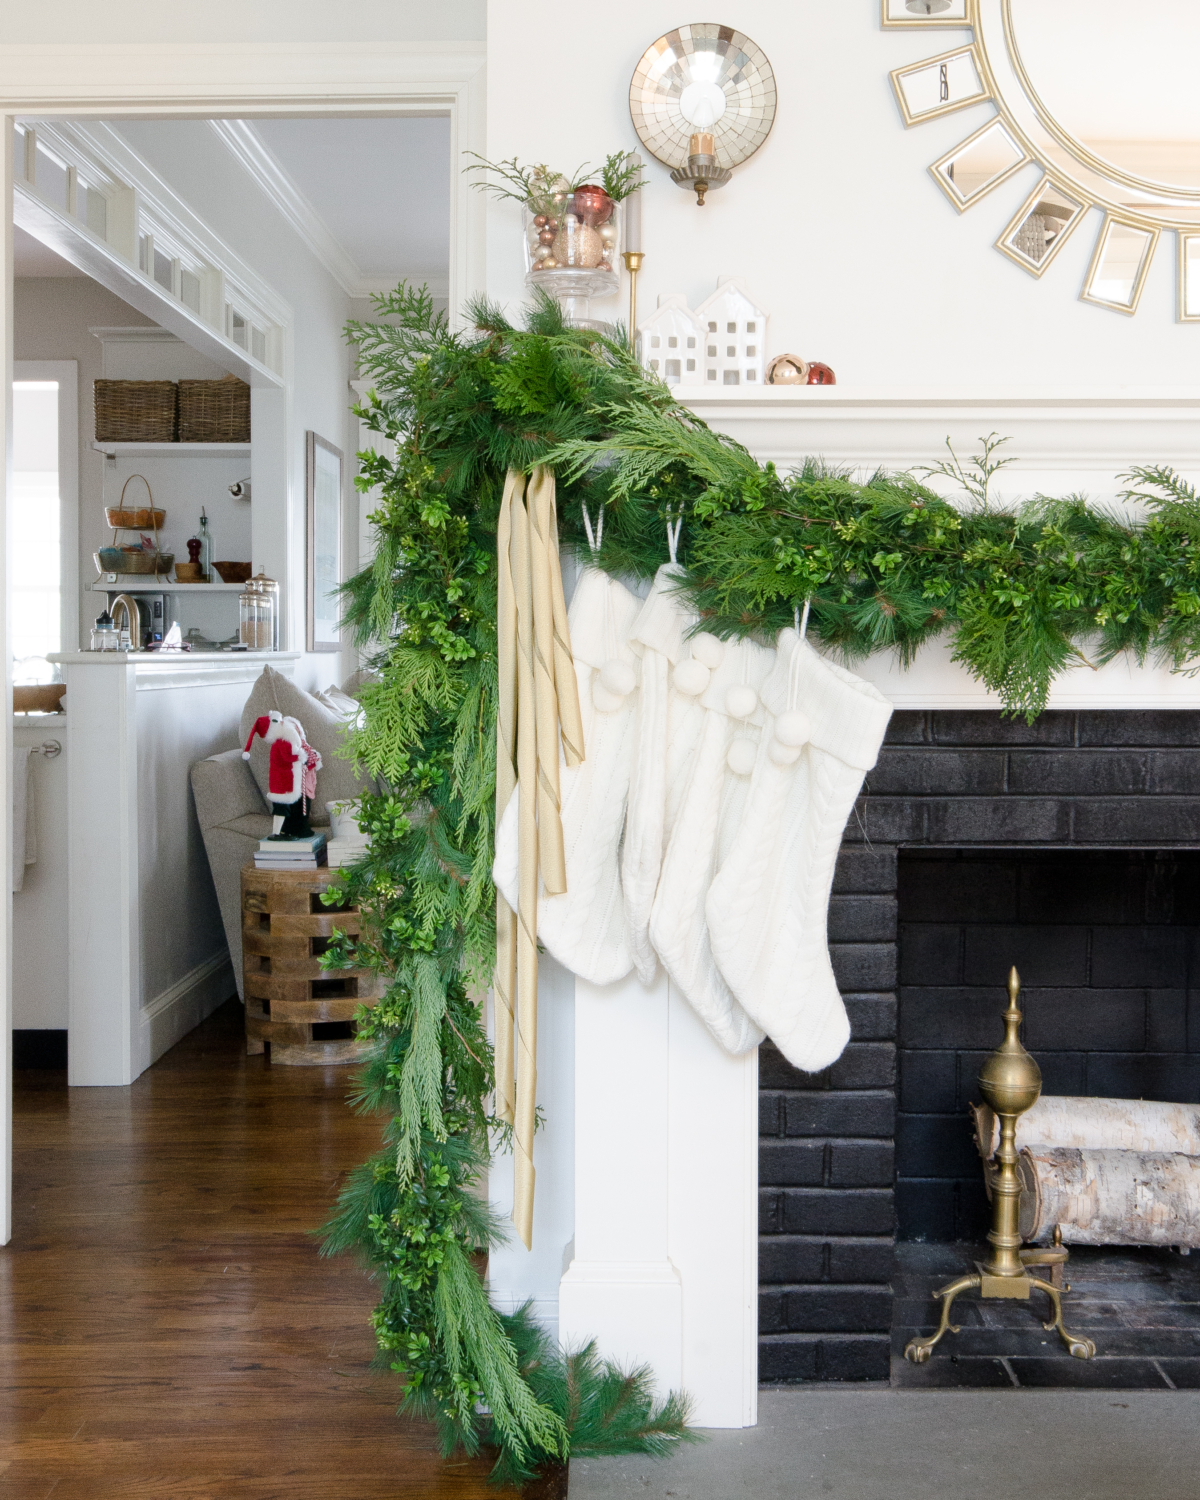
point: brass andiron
(1010, 1081)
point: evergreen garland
(886, 564)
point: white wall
(835, 224)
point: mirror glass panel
(1119, 265)
(924, 12)
(979, 164)
(1189, 277)
(1041, 227)
(938, 86)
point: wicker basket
(135, 411)
(214, 411)
(134, 518)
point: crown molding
(253, 155)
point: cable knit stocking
(708, 816)
(584, 927)
(767, 908)
(667, 727)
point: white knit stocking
(767, 908)
(708, 815)
(584, 928)
(667, 727)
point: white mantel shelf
(1064, 440)
(835, 397)
(1091, 433)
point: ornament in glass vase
(572, 241)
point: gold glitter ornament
(577, 245)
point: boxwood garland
(887, 564)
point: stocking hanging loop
(673, 530)
(594, 537)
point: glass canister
(105, 635)
(572, 242)
(258, 614)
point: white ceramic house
(735, 333)
(671, 342)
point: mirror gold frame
(1072, 172)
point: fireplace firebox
(1070, 847)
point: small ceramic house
(735, 335)
(671, 342)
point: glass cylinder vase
(572, 245)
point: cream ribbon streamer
(538, 705)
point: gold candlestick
(1010, 1082)
(633, 264)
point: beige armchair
(233, 817)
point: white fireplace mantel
(1063, 440)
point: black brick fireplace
(1065, 847)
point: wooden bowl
(39, 698)
(189, 572)
(234, 572)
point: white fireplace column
(665, 1263)
(645, 1232)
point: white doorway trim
(66, 373)
(206, 81)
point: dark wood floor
(167, 1328)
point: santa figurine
(291, 775)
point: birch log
(1111, 1124)
(1109, 1197)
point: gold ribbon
(538, 704)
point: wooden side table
(304, 1013)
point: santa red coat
(293, 765)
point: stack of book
(291, 854)
(346, 849)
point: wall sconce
(703, 100)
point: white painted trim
(66, 373)
(255, 158)
(170, 1016)
(211, 80)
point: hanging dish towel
(24, 816)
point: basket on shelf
(136, 411)
(122, 517)
(117, 560)
(134, 517)
(214, 411)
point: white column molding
(621, 1287)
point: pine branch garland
(887, 565)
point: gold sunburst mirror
(1097, 93)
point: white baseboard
(545, 1309)
(169, 1017)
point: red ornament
(819, 374)
(593, 205)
